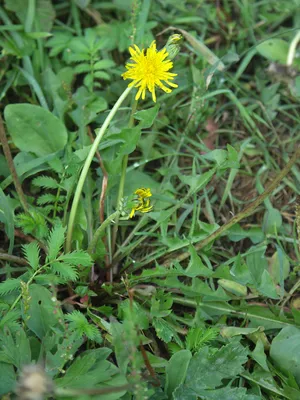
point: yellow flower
(142, 201)
(150, 69)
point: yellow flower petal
(149, 70)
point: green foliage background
(187, 314)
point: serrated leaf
(104, 64)
(32, 254)
(9, 286)
(85, 67)
(208, 367)
(46, 198)
(10, 320)
(165, 331)
(102, 75)
(66, 271)
(77, 257)
(46, 182)
(81, 326)
(198, 337)
(55, 241)
(33, 223)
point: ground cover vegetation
(149, 206)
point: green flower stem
(123, 177)
(101, 229)
(86, 167)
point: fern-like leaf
(33, 224)
(198, 337)
(81, 326)
(10, 285)
(66, 271)
(77, 257)
(10, 321)
(46, 198)
(46, 182)
(55, 241)
(32, 254)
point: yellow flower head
(142, 201)
(150, 69)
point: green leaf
(7, 217)
(81, 326)
(208, 367)
(43, 312)
(198, 337)
(165, 331)
(196, 266)
(34, 129)
(8, 378)
(10, 321)
(267, 286)
(258, 354)
(78, 257)
(45, 182)
(46, 198)
(272, 221)
(225, 393)
(285, 351)
(237, 233)
(55, 241)
(130, 138)
(33, 223)
(147, 117)
(104, 64)
(174, 375)
(44, 12)
(32, 254)
(197, 182)
(92, 370)
(66, 271)
(274, 50)
(9, 286)
(231, 331)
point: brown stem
(11, 166)
(30, 239)
(148, 365)
(13, 259)
(241, 215)
(104, 181)
(102, 202)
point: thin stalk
(123, 177)
(227, 309)
(11, 166)
(292, 49)
(87, 164)
(101, 229)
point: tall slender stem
(87, 164)
(101, 229)
(123, 177)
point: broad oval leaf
(35, 129)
